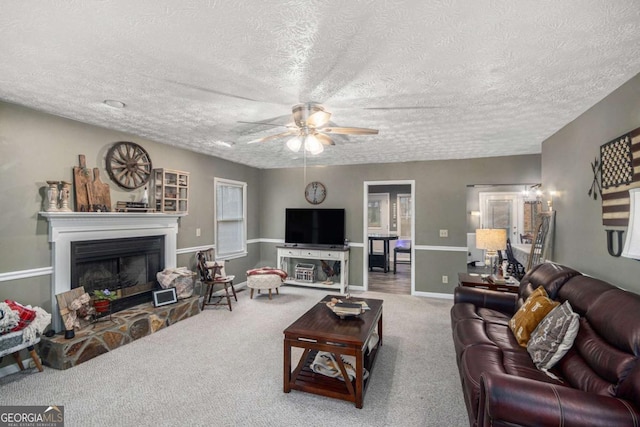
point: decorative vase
(64, 196)
(102, 305)
(52, 196)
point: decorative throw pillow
(553, 336)
(534, 309)
(26, 314)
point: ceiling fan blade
(213, 91)
(278, 135)
(319, 118)
(324, 139)
(275, 125)
(349, 131)
(423, 107)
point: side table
(477, 281)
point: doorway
(389, 211)
(503, 210)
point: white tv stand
(300, 252)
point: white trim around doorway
(365, 239)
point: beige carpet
(224, 368)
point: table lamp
(492, 240)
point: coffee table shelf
(308, 380)
(319, 329)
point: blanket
(325, 363)
(181, 278)
(268, 270)
(10, 320)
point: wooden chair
(526, 238)
(211, 274)
(515, 268)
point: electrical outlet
(445, 279)
(198, 232)
(444, 233)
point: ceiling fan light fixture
(313, 145)
(294, 144)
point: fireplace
(67, 228)
(125, 266)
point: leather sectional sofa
(598, 380)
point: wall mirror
(514, 207)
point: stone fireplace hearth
(113, 332)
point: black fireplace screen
(127, 266)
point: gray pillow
(553, 336)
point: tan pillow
(534, 309)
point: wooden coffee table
(319, 329)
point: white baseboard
(433, 295)
(11, 369)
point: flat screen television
(314, 226)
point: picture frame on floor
(164, 297)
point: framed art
(164, 297)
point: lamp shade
(491, 239)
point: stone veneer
(108, 334)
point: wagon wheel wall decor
(128, 165)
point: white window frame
(221, 253)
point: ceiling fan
(311, 127)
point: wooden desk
(476, 281)
(376, 259)
(319, 329)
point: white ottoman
(264, 281)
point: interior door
(502, 210)
(378, 217)
(404, 222)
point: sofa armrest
(501, 301)
(516, 401)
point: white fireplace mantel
(67, 227)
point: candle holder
(64, 196)
(52, 196)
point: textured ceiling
(440, 79)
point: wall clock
(128, 165)
(315, 192)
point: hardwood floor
(399, 283)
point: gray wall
(441, 203)
(580, 239)
(36, 147)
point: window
(231, 218)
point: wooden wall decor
(91, 194)
(619, 159)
